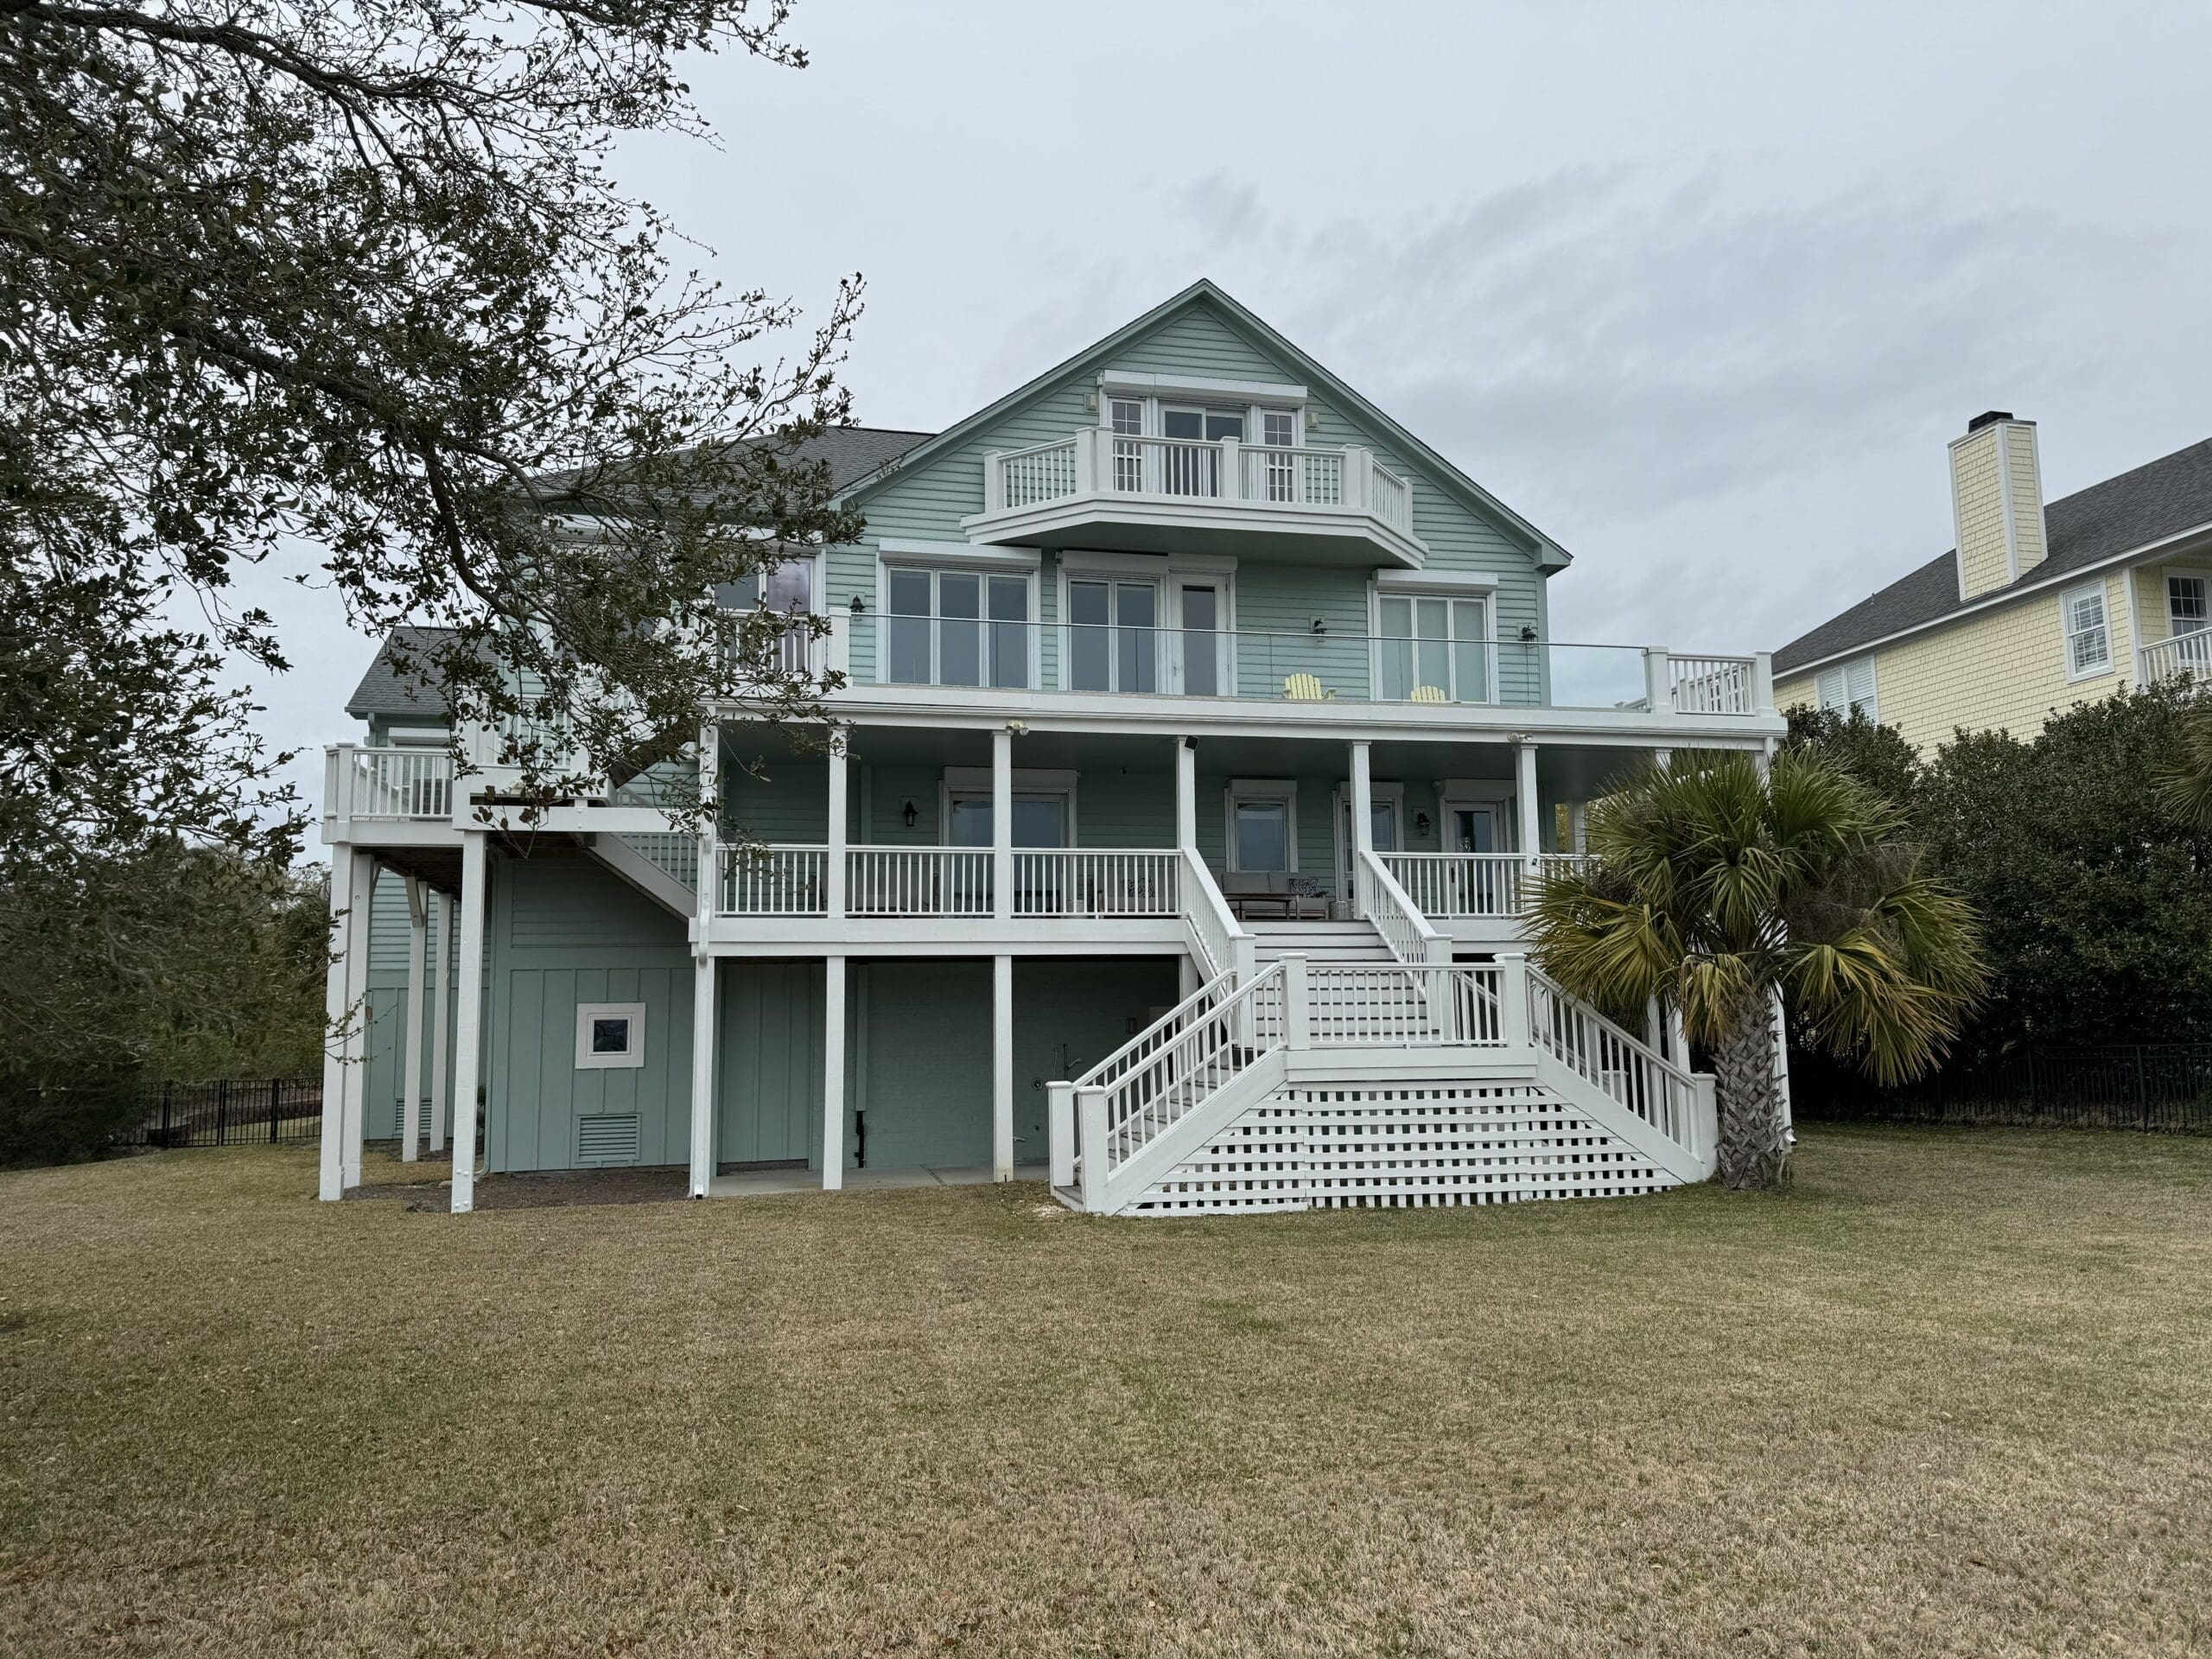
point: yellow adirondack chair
(1306, 688)
(1429, 693)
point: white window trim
(1873, 681)
(1437, 584)
(1260, 788)
(1118, 383)
(1165, 571)
(632, 1058)
(2166, 572)
(1234, 395)
(2066, 629)
(952, 557)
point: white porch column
(833, 1074)
(331, 1181)
(1001, 1068)
(469, 1018)
(1003, 823)
(440, 1022)
(1186, 795)
(355, 1093)
(1524, 803)
(411, 1104)
(833, 881)
(1363, 827)
(704, 1021)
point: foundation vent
(607, 1139)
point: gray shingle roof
(385, 691)
(2161, 498)
(854, 452)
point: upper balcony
(1101, 489)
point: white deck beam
(1001, 1068)
(1186, 794)
(704, 1024)
(833, 871)
(469, 1018)
(1003, 823)
(353, 1095)
(833, 1074)
(331, 1183)
(1524, 803)
(442, 1023)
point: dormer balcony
(1104, 489)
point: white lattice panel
(1434, 1143)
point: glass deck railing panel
(1307, 666)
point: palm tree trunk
(1752, 1150)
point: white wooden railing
(775, 880)
(1218, 939)
(1460, 887)
(1361, 1005)
(1666, 1097)
(1395, 916)
(1094, 462)
(917, 882)
(1086, 881)
(1714, 685)
(676, 857)
(360, 782)
(2186, 654)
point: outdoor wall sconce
(860, 605)
(1421, 825)
(1321, 625)
(1527, 634)
(908, 813)
(1312, 420)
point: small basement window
(610, 1035)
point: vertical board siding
(385, 1053)
(1069, 1015)
(768, 1086)
(925, 1046)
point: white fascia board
(1111, 381)
(1068, 514)
(1430, 580)
(1002, 557)
(1148, 564)
(2133, 555)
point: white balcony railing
(362, 782)
(773, 881)
(2186, 654)
(917, 882)
(1460, 887)
(1289, 478)
(1084, 882)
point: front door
(1200, 640)
(1040, 820)
(1474, 886)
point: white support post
(1297, 1023)
(833, 879)
(1513, 999)
(994, 483)
(833, 1073)
(1363, 827)
(703, 1033)
(1658, 680)
(337, 1014)
(1186, 796)
(1002, 824)
(1781, 1025)
(1357, 461)
(837, 644)
(1762, 673)
(1090, 461)
(1002, 1068)
(469, 1018)
(1678, 1037)
(1059, 1132)
(352, 1108)
(1524, 805)
(1090, 1118)
(710, 821)
(1232, 486)
(411, 1104)
(441, 1022)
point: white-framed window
(2186, 610)
(955, 627)
(2089, 640)
(1433, 647)
(610, 1036)
(1262, 826)
(1135, 623)
(1125, 417)
(1848, 687)
(788, 589)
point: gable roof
(385, 691)
(2154, 502)
(1549, 554)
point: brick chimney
(1996, 502)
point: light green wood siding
(768, 1087)
(789, 802)
(564, 931)
(385, 1046)
(925, 1049)
(1067, 1017)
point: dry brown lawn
(1951, 1394)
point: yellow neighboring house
(2035, 608)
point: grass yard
(1953, 1393)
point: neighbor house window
(1849, 689)
(2185, 604)
(955, 627)
(2088, 641)
(1432, 649)
(610, 1036)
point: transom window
(1432, 649)
(2185, 604)
(2088, 641)
(955, 627)
(1848, 687)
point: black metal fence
(2157, 1086)
(265, 1111)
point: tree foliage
(1713, 887)
(1876, 755)
(278, 276)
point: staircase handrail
(1663, 1094)
(1412, 938)
(1205, 998)
(1219, 941)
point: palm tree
(1712, 885)
(2185, 781)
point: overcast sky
(1701, 289)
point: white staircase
(664, 867)
(1322, 944)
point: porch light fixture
(1320, 625)
(1312, 420)
(908, 814)
(1421, 825)
(860, 605)
(1528, 633)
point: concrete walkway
(756, 1182)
